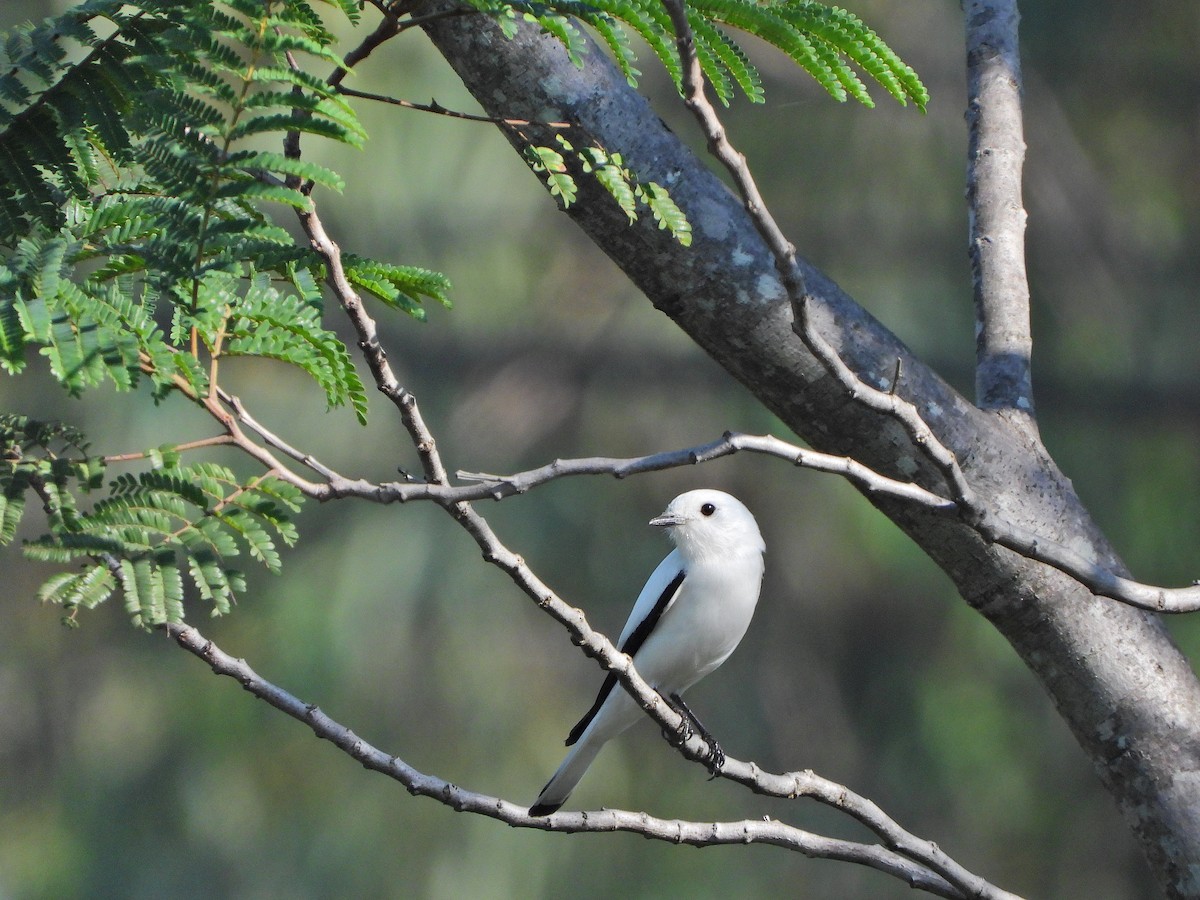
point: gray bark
(1127, 693)
(995, 155)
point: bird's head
(710, 523)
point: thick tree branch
(1004, 304)
(1126, 692)
(995, 157)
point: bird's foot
(714, 760)
(677, 737)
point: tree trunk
(1125, 690)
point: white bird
(687, 620)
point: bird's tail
(562, 782)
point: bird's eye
(707, 509)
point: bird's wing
(655, 599)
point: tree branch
(372, 349)
(995, 156)
(1093, 657)
(904, 861)
(694, 98)
(434, 107)
(729, 444)
(1100, 579)
(597, 645)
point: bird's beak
(667, 520)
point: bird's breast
(704, 624)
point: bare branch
(1097, 578)
(718, 143)
(387, 29)
(995, 157)
(216, 441)
(730, 443)
(373, 352)
(888, 402)
(699, 834)
(434, 107)
(306, 459)
(998, 220)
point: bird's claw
(715, 760)
(677, 737)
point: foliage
(150, 526)
(822, 40)
(137, 244)
(144, 148)
(611, 173)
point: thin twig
(694, 98)
(373, 352)
(306, 459)
(215, 441)
(387, 29)
(895, 862)
(434, 107)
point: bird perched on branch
(687, 620)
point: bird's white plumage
(676, 637)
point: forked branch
(1004, 294)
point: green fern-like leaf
(401, 287)
(617, 41)
(137, 245)
(73, 590)
(668, 215)
(847, 33)
(823, 40)
(550, 163)
(612, 176)
(36, 456)
(724, 62)
(133, 174)
(267, 323)
(630, 194)
(155, 525)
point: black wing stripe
(631, 646)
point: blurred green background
(128, 770)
